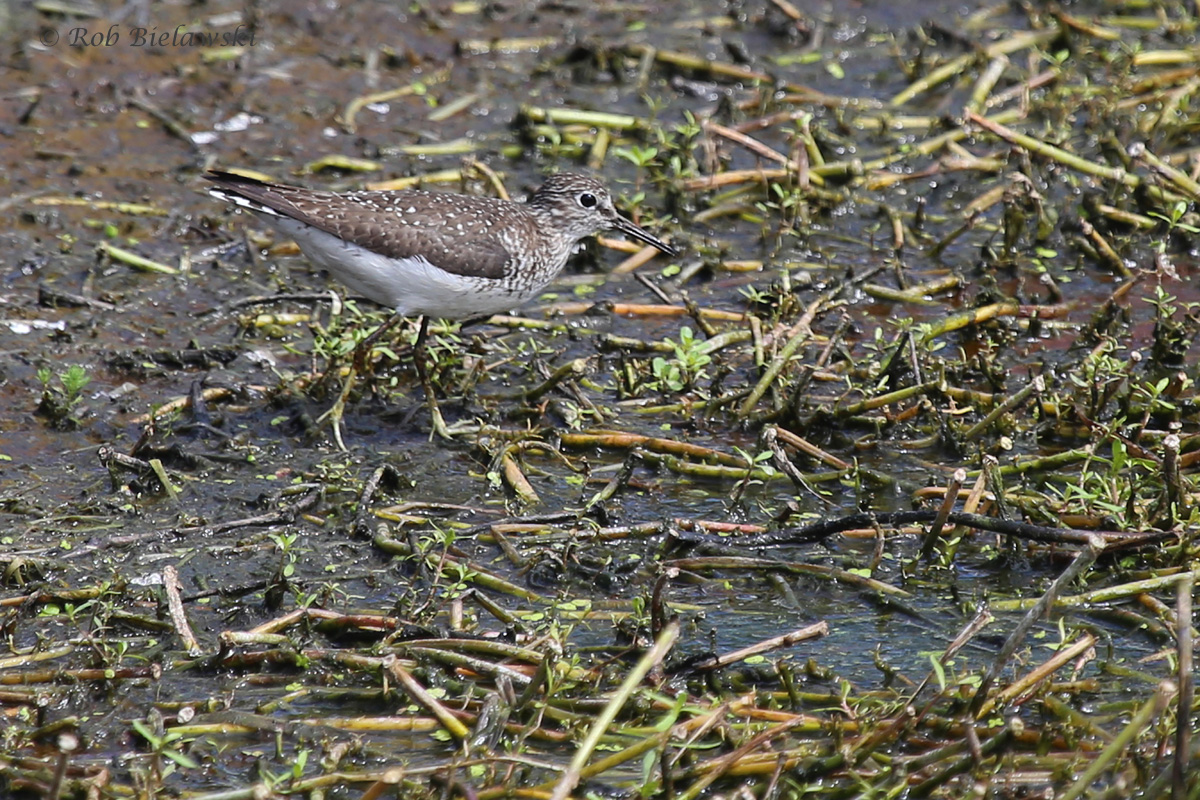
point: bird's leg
(420, 354)
(334, 414)
(362, 350)
(358, 364)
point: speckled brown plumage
(383, 223)
(437, 253)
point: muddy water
(110, 104)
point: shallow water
(86, 122)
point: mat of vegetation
(885, 488)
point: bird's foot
(338, 409)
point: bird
(436, 254)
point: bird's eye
(588, 200)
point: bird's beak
(634, 232)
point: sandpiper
(433, 253)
